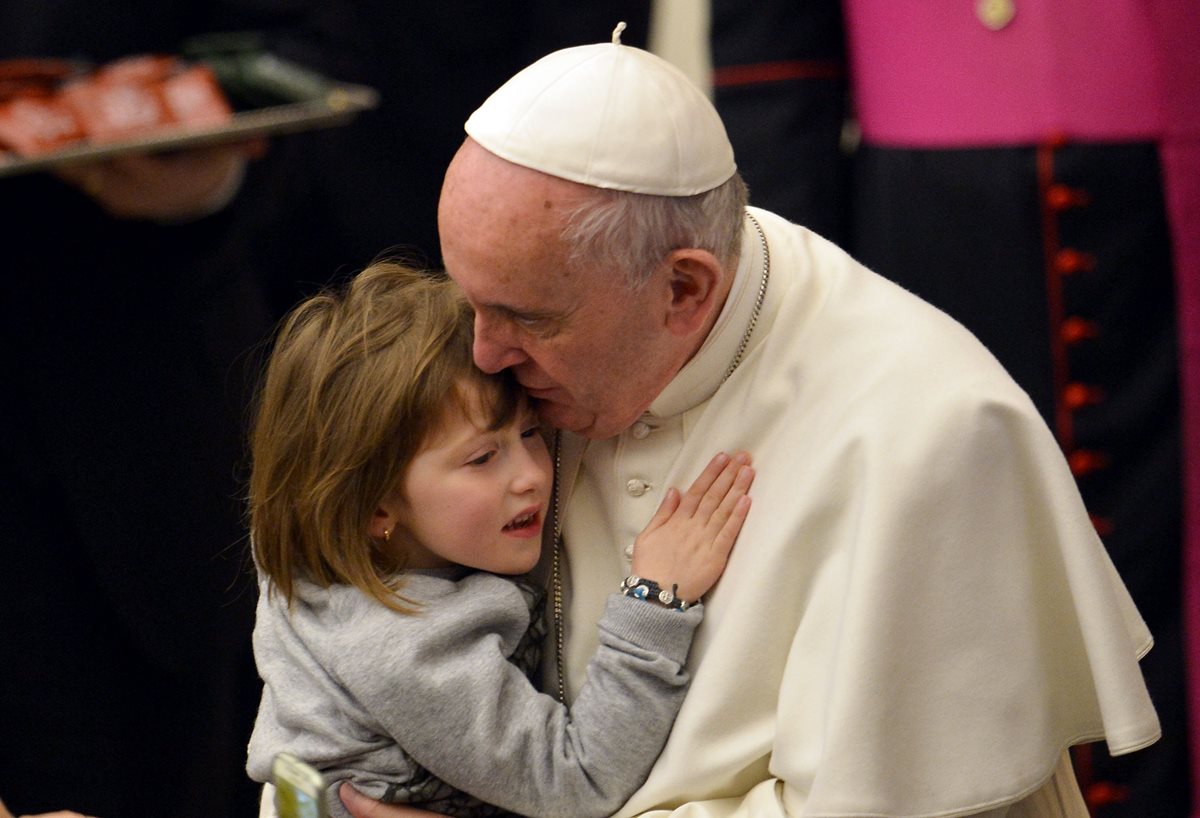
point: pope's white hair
(633, 232)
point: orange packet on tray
(140, 69)
(193, 97)
(113, 111)
(135, 95)
(123, 99)
(22, 76)
(32, 120)
(34, 124)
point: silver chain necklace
(556, 576)
(758, 301)
(556, 559)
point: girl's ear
(386, 517)
(696, 278)
(381, 525)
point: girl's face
(479, 498)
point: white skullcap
(610, 116)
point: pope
(920, 619)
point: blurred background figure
(140, 291)
(1033, 168)
(131, 304)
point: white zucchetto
(610, 116)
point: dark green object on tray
(252, 76)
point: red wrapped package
(140, 69)
(35, 124)
(138, 94)
(110, 111)
(46, 104)
(23, 77)
(193, 97)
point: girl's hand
(687, 543)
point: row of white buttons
(636, 487)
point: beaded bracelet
(651, 591)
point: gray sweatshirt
(428, 708)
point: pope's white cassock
(918, 617)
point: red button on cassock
(1068, 261)
(1079, 395)
(1086, 461)
(1074, 330)
(1062, 197)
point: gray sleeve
(470, 717)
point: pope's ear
(696, 280)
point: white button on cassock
(640, 431)
(637, 487)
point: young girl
(398, 494)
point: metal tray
(338, 106)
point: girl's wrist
(650, 591)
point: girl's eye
(481, 460)
(531, 431)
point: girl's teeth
(521, 522)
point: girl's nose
(530, 473)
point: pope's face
(592, 353)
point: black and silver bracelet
(649, 590)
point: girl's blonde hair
(357, 380)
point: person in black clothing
(130, 306)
